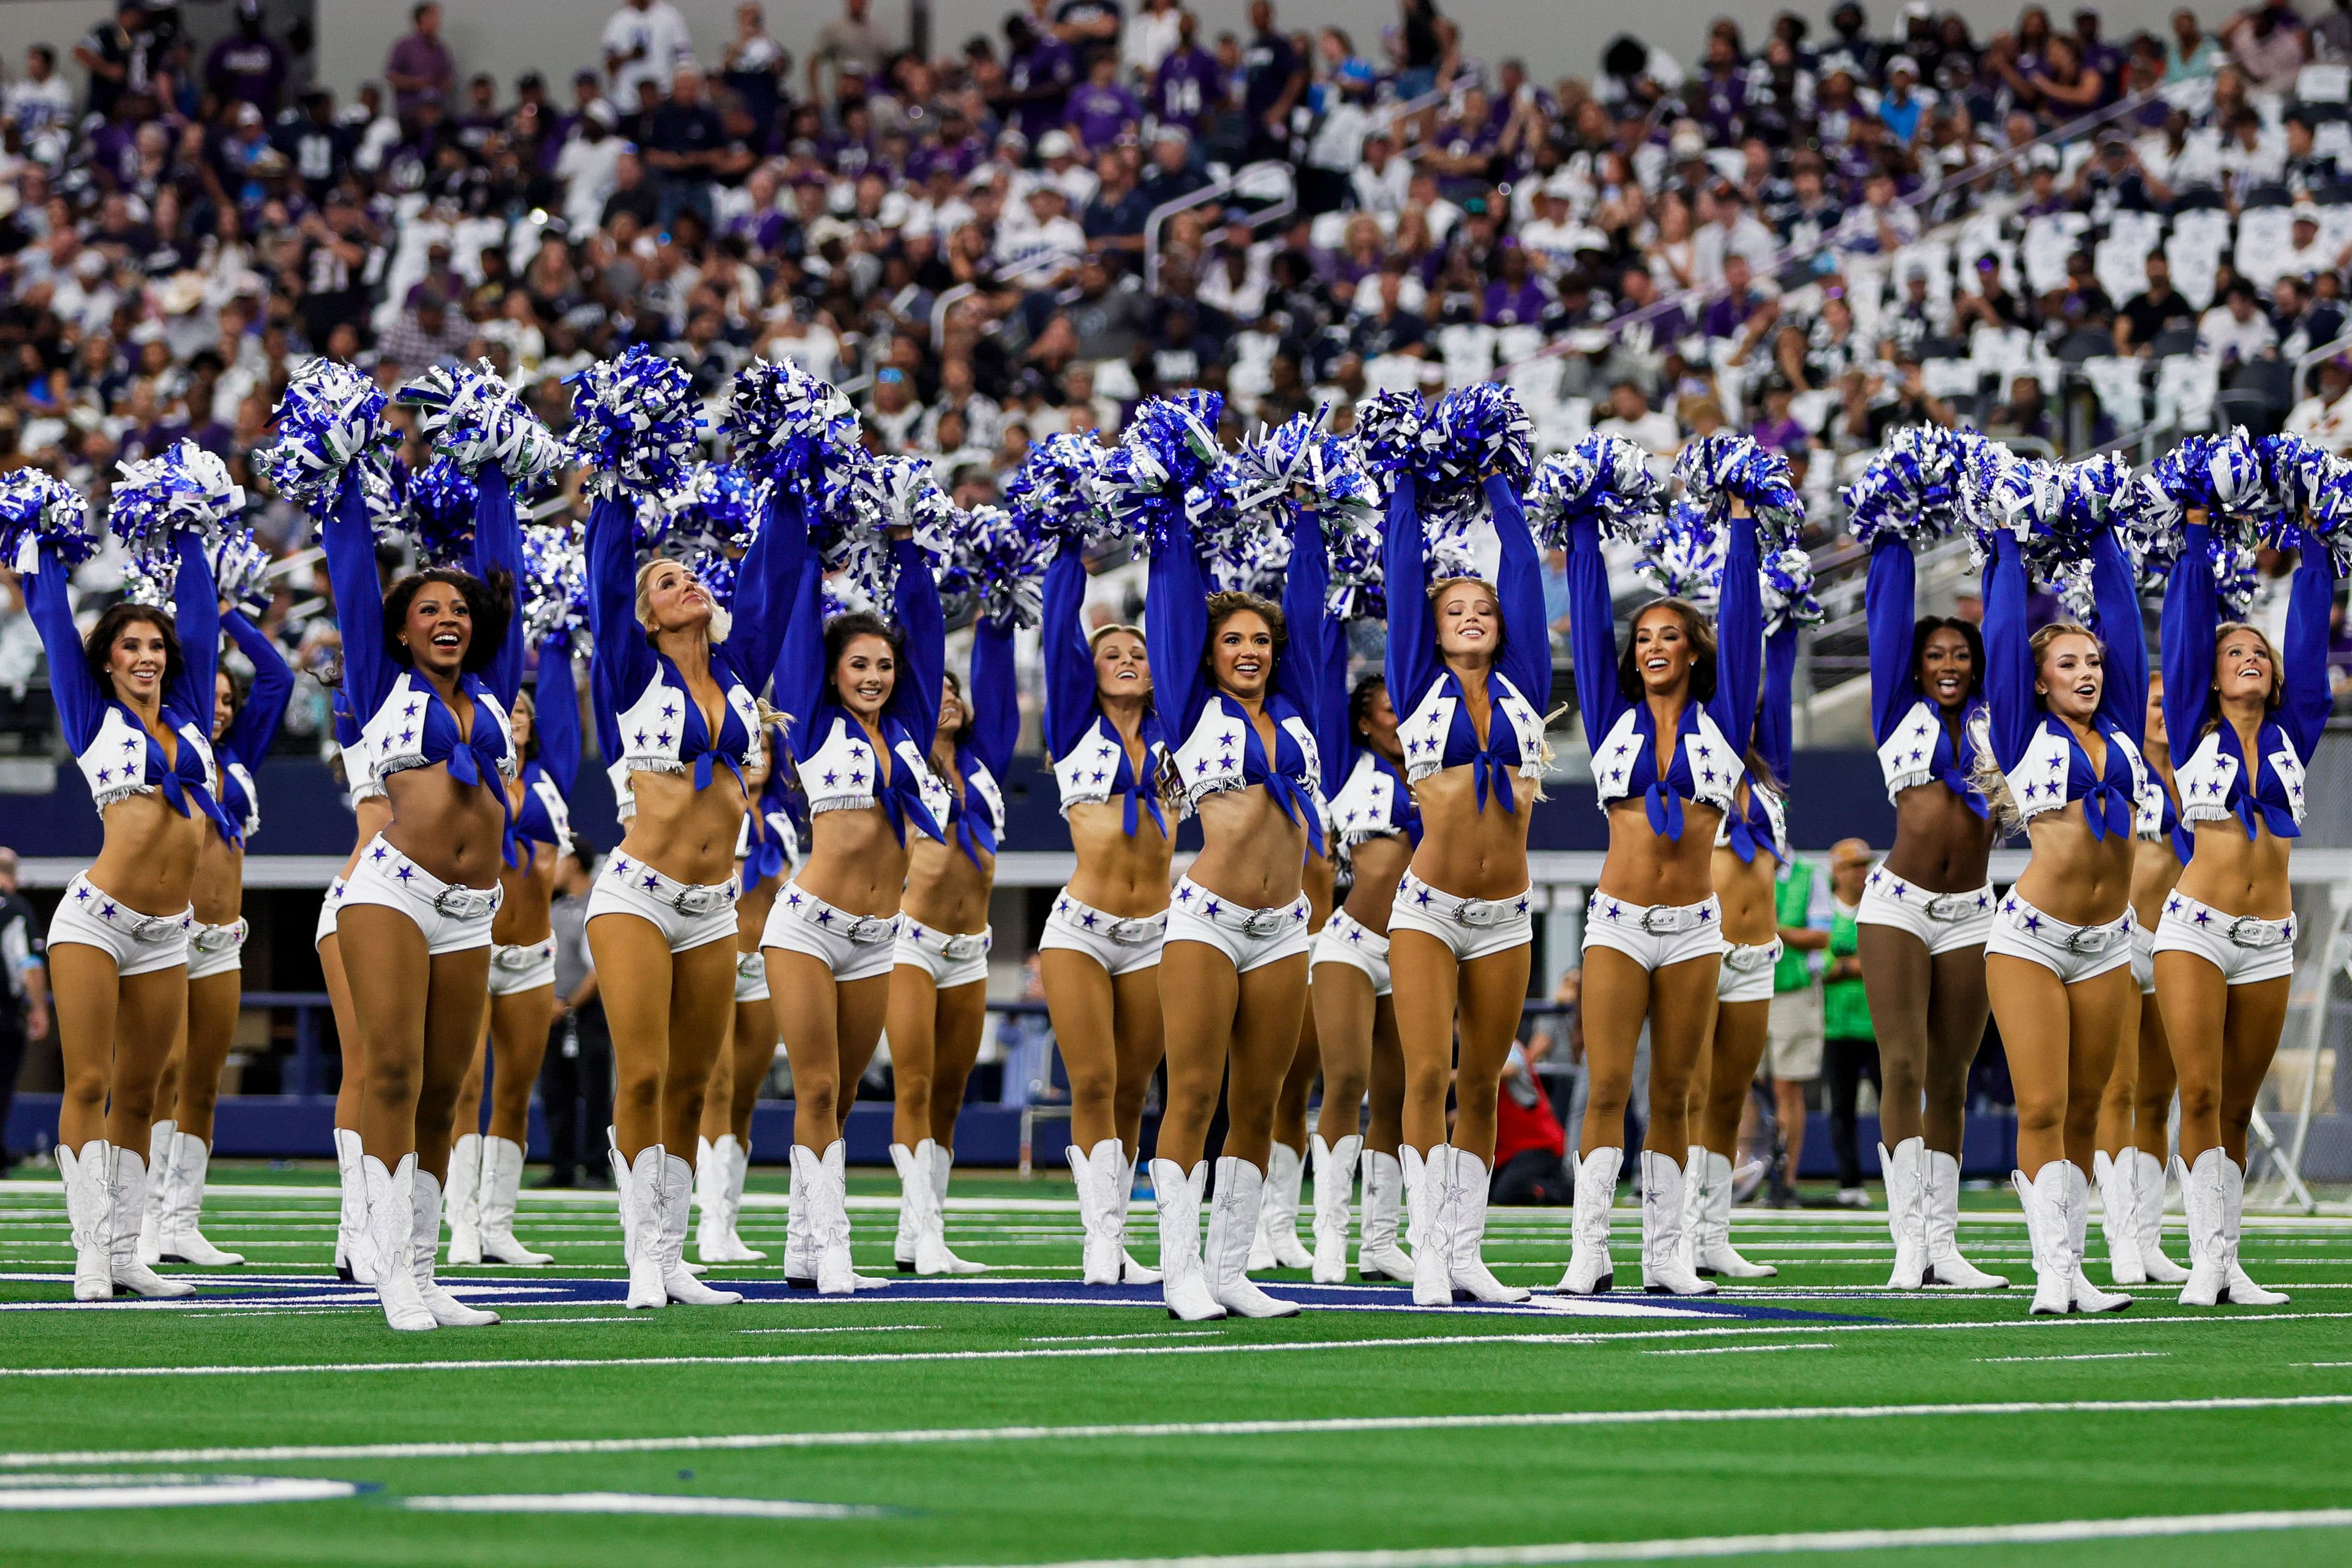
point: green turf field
(1008, 1419)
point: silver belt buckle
(1262, 922)
(751, 965)
(1948, 907)
(1660, 920)
(1133, 932)
(966, 945)
(2262, 932)
(1477, 912)
(153, 928)
(2089, 939)
(871, 929)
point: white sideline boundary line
(638, 1503)
(926, 1437)
(2050, 1533)
(1566, 1339)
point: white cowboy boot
(1713, 1249)
(1588, 1268)
(1377, 1254)
(463, 1200)
(2048, 1227)
(2202, 1189)
(1663, 1272)
(184, 1204)
(2243, 1291)
(1941, 1178)
(90, 1216)
(1465, 1202)
(127, 1198)
(1130, 1272)
(712, 1230)
(1433, 1246)
(2118, 1214)
(153, 1219)
(390, 1225)
(424, 1239)
(1694, 1203)
(734, 1156)
(800, 1254)
(1906, 1210)
(2147, 1218)
(2087, 1297)
(1095, 1171)
(354, 1261)
(914, 1192)
(1335, 1185)
(1410, 1167)
(1277, 1221)
(641, 1207)
(936, 1161)
(1184, 1278)
(502, 1189)
(677, 1191)
(1232, 1222)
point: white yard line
(1745, 1350)
(2100, 1355)
(636, 1503)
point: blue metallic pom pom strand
(1053, 490)
(792, 430)
(241, 571)
(1167, 468)
(1717, 469)
(555, 584)
(331, 417)
(997, 558)
(1606, 479)
(636, 424)
(39, 508)
(184, 490)
(441, 498)
(471, 416)
(1909, 490)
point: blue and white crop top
(975, 817)
(545, 814)
(1374, 802)
(247, 740)
(1704, 763)
(2215, 781)
(360, 782)
(1914, 745)
(769, 844)
(2045, 767)
(838, 770)
(1220, 748)
(402, 721)
(1437, 730)
(1759, 818)
(117, 756)
(1091, 763)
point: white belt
(1198, 900)
(1943, 908)
(690, 898)
(952, 945)
(2052, 932)
(2245, 931)
(218, 938)
(1128, 930)
(1748, 957)
(840, 922)
(454, 899)
(1425, 900)
(521, 955)
(1656, 919)
(751, 965)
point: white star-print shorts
(853, 947)
(949, 958)
(2074, 953)
(453, 917)
(518, 967)
(1119, 943)
(1470, 928)
(1946, 922)
(687, 914)
(138, 944)
(215, 950)
(1251, 938)
(2143, 956)
(1654, 935)
(327, 908)
(751, 978)
(1346, 940)
(1748, 972)
(2244, 949)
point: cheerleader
(1925, 914)
(1378, 824)
(424, 663)
(1751, 844)
(1652, 943)
(2130, 1165)
(862, 697)
(938, 985)
(1234, 968)
(243, 724)
(2065, 709)
(485, 1169)
(1100, 953)
(766, 851)
(1465, 653)
(2225, 946)
(371, 815)
(132, 699)
(1275, 1245)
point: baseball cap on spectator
(1056, 144)
(603, 113)
(1904, 64)
(1561, 184)
(2304, 212)
(1176, 133)
(248, 114)
(1688, 141)
(1355, 73)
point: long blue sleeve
(1526, 660)
(1591, 633)
(498, 547)
(1069, 663)
(994, 697)
(764, 579)
(1306, 593)
(1889, 599)
(48, 599)
(256, 724)
(1775, 716)
(2191, 616)
(2114, 590)
(196, 620)
(2009, 660)
(1335, 745)
(348, 542)
(1176, 629)
(555, 712)
(800, 658)
(1738, 633)
(622, 661)
(1412, 662)
(922, 667)
(2307, 699)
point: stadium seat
(2115, 383)
(2265, 239)
(2324, 84)
(2186, 387)
(2174, 341)
(2049, 241)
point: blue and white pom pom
(1787, 591)
(1683, 556)
(555, 584)
(1606, 478)
(331, 417)
(184, 490)
(441, 499)
(241, 571)
(1717, 469)
(636, 424)
(1394, 436)
(476, 420)
(708, 524)
(1270, 479)
(39, 508)
(1053, 490)
(997, 558)
(797, 433)
(1166, 469)
(1910, 489)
